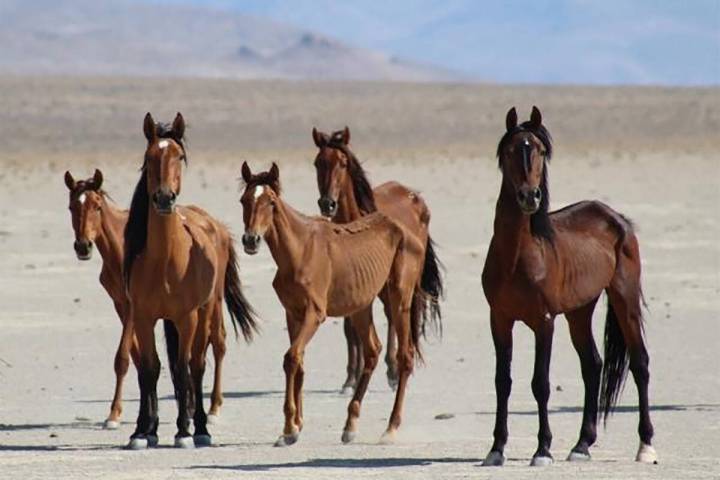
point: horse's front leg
(186, 328)
(541, 389)
(145, 434)
(301, 329)
(122, 363)
(501, 327)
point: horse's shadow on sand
(339, 463)
(226, 395)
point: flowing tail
(241, 313)
(433, 289)
(615, 364)
(417, 320)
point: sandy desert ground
(649, 152)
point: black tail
(241, 313)
(172, 343)
(615, 364)
(432, 285)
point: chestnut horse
(179, 263)
(97, 221)
(346, 196)
(328, 269)
(542, 264)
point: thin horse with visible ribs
(337, 270)
(346, 196)
(97, 221)
(542, 264)
(179, 264)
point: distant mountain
(671, 42)
(124, 37)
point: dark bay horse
(179, 263)
(346, 196)
(542, 264)
(96, 221)
(337, 270)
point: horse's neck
(163, 231)
(286, 236)
(110, 237)
(511, 230)
(348, 210)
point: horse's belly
(347, 297)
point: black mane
(361, 185)
(540, 225)
(135, 235)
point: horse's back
(592, 217)
(403, 205)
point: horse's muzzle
(83, 249)
(328, 206)
(164, 202)
(251, 243)
(529, 199)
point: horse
(97, 221)
(541, 264)
(345, 196)
(325, 269)
(179, 264)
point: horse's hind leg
(218, 336)
(122, 363)
(626, 306)
(543, 329)
(363, 324)
(354, 361)
(580, 324)
(392, 348)
(186, 328)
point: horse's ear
(97, 179)
(178, 127)
(69, 181)
(535, 117)
(246, 173)
(318, 138)
(274, 173)
(511, 119)
(149, 127)
(346, 135)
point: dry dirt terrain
(649, 152)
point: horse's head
(164, 157)
(258, 200)
(332, 168)
(522, 154)
(86, 202)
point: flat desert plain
(651, 153)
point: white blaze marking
(82, 198)
(259, 190)
(163, 143)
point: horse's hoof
(578, 456)
(389, 437)
(204, 440)
(287, 440)
(138, 443)
(393, 382)
(152, 441)
(646, 454)
(213, 419)
(347, 390)
(541, 461)
(494, 459)
(348, 436)
(111, 424)
(184, 442)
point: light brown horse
(346, 196)
(179, 263)
(97, 221)
(542, 264)
(337, 270)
